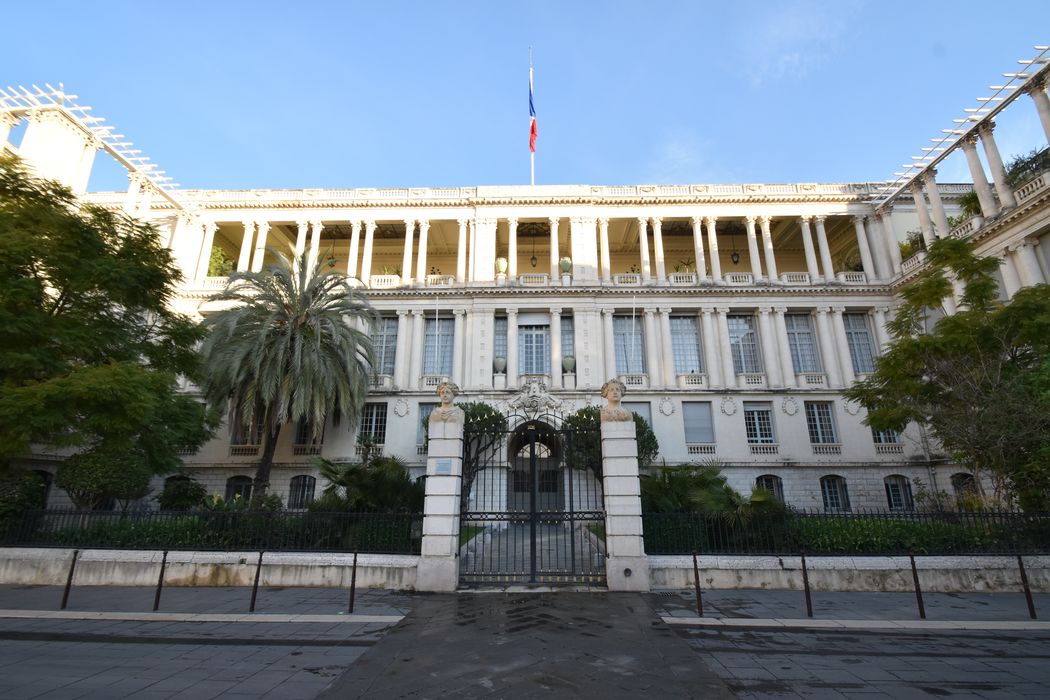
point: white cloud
(788, 41)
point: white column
(555, 331)
(260, 246)
(862, 246)
(627, 568)
(787, 367)
(355, 242)
(940, 219)
(980, 181)
(889, 239)
(366, 257)
(555, 271)
(300, 238)
(415, 366)
(643, 249)
(404, 345)
(652, 357)
(670, 376)
(512, 249)
(1011, 279)
(87, 162)
(825, 251)
(1027, 263)
(995, 163)
(877, 248)
(315, 244)
(205, 257)
(769, 353)
(609, 343)
(712, 247)
(712, 360)
(878, 318)
(829, 357)
(459, 340)
(698, 248)
(767, 243)
(752, 250)
(406, 256)
(725, 348)
(512, 348)
(1037, 92)
(807, 245)
(925, 224)
(421, 254)
(134, 188)
(842, 344)
(245, 257)
(603, 242)
(658, 250)
(146, 202)
(438, 568)
(461, 253)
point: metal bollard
(255, 586)
(69, 579)
(918, 588)
(1027, 589)
(805, 584)
(353, 585)
(696, 583)
(160, 582)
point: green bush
(182, 493)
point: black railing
(381, 533)
(872, 533)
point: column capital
(316, 223)
(657, 221)
(765, 220)
(263, 225)
(916, 187)
(248, 224)
(750, 219)
(643, 221)
(837, 310)
(302, 223)
(706, 310)
(722, 310)
(649, 312)
(665, 311)
(8, 119)
(370, 224)
(822, 309)
(603, 220)
(1035, 86)
(765, 310)
(410, 225)
(969, 141)
(881, 309)
(554, 221)
(930, 176)
(710, 220)
(511, 312)
(418, 313)
(820, 218)
(459, 312)
(512, 222)
(859, 219)
(804, 220)
(424, 224)
(583, 220)
(555, 311)
(403, 312)
(884, 211)
(696, 220)
(462, 222)
(780, 309)
(608, 312)
(212, 227)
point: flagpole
(532, 115)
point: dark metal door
(532, 510)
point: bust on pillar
(438, 568)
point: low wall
(888, 574)
(107, 567)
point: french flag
(532, 117)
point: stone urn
(565, 264)
(499, 365)
(568, 364)
(501, 266)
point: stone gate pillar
(438, 566)
(627, 568)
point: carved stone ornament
(401, 408)
(728, 405)
(851, 407)
(613, 412)
(789, 405)
(447, 412)
(666, 406)
(534, 398)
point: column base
(627, 574)
(437, 574)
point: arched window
(898, 492)
(964, 485)
(301, 491)
(836, 496)
(772, 483)
(239, 486)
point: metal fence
(862, 533)
(381, 533)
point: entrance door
(532, 508)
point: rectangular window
(743, 341)
(425, 409)
(373, 424)
(836, 496)
(699, 428)
(802, 342)
(630, 345)
(685, 344)
(437, 347)
(241, 434)
(861, 348)
(885, 437)
(568, 337)
(821, 422)
(758, 420)
(642, 408)
(304, 434)
(534, 349)
(499, 338)
(384, 343)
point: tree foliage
(90, 350)
(378, 485)
(586, 424)
(96, 477)
(291, 343)
(484, 430)
(979, 379)
(704, 489)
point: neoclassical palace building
(735, 314)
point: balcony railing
(440, 280)
(701, 448)
(889, 448)
(381, 381)
(682, 279)
(914, 262)
(627, 279)
(813, 379)
(635, 381)
(1031, 187)
(764, 448)
(827, 449)
(214, 283)
(693, 379)
(795, 278)
(244, 450)
(385, 281)
(534, 279)
(852, 277)
(312, 448)
(752, 379)
(739, 279)
(432, 380)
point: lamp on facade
(534, 259)
(735, 255)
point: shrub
(182, 493)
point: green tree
(95, 477)
(484, 429)
(182, 493)
(90, 350)
(288, 345)
(378, 485)
(586, 426)
(979, 379)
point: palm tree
(293, 345)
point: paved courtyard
(300, 643)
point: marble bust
(446, 412)
(612, 391)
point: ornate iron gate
(531, 509)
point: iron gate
(531, 508)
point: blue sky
(310, 94)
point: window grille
(801, 341)
(630, 345)
(820, 422)
(861, 348)
(499, 338)
(437, 347)
(568, 337)
(685, 344)
(301, 491)
(758, 421)
(898, 492)
(534, 349)
(834, 492)
(373, 424)
(384, 344)
(743, 341)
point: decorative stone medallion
(666, 406)
(789, 405)
(851, 408)
(728, 405)
(401, 408)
